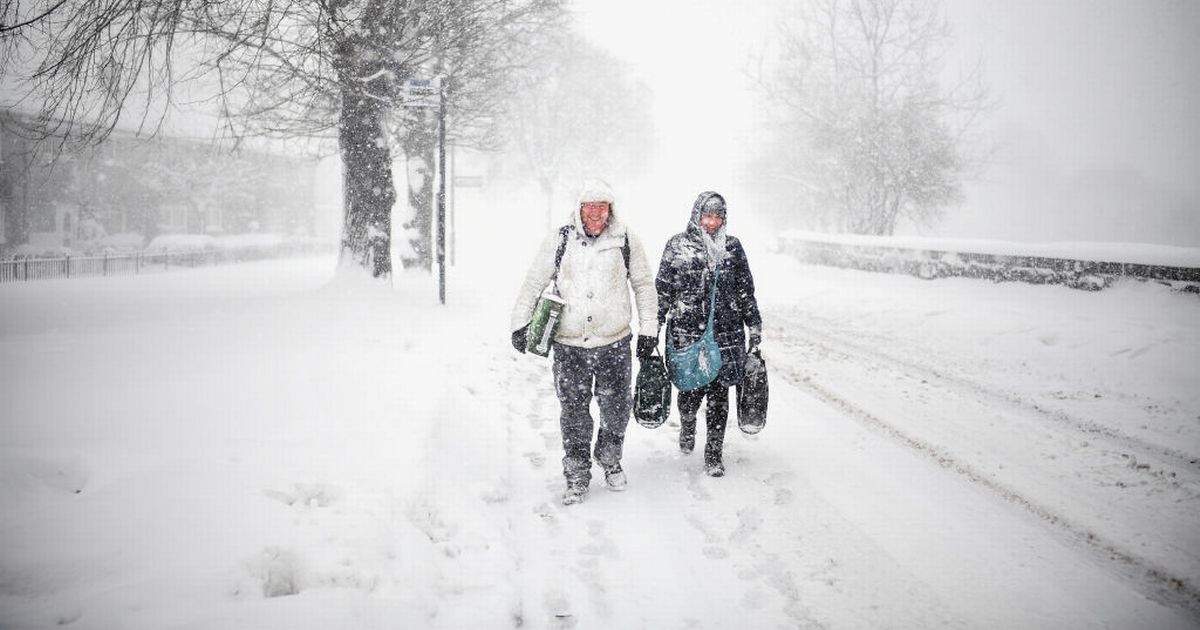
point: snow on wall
(1081, 265)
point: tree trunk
(367, 184)
(419, 147)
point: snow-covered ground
(262, 446)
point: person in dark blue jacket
(684, 283)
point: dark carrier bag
(652, 394)
(752, 394)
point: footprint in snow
(276, 572)
(536, 459)
(698, 523)
(601, 545)
(749, 522)
(779, 481)
(748, 575)
(306, 495)
(695, 485)
(559, 609)
(754, 598)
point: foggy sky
(1096, 134)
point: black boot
(687, 434)
(714, 469)
(713, 466)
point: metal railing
(36, 268)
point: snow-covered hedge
(1090, 266)
(122, 242)
(27, 250)
(182, 243)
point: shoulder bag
(698, 364)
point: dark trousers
(579, 374)
(716, 414)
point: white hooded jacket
(593, 282)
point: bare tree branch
(871, 131)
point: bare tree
(475, 74)
(870, 132)
(327, 69)
(577, 113)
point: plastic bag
(652, 393)
(753, 394)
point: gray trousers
(580, 373)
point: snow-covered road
(1119, 488)
(252, 447)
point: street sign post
(429, 93)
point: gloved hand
(755, 339)
(646, 346)
(520, 337)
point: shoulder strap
(625, 253)
(563, 232)
(562, 247)
(712, 303)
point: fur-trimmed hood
(598, 190)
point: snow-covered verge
(1134, 253)
(264, 446)
(1091, 266)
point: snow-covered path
(252, 448)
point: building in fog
(130, 189)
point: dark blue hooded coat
(684, 283)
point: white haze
(1096, 132)
(271, 446)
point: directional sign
(468, 181)
(421, 93)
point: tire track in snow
(1139, 449)
(1157, 582)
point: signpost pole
(441, 195)
(453, 204)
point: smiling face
(595, 216)
(711, 223)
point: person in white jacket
(599, 263)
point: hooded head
(595, 190)
(708, 212)
(589, 216)
(709, 203)
(714, 205)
